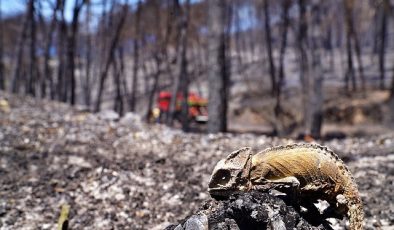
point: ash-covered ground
(124, 174)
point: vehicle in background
(197, 107)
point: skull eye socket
(221, 177)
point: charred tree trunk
(177, 81)
(304, 69)
(310, 42)
(160, 56)
(391, 101)
(392, 88)
(136, 58)
(351, 34)
(182, 65)
(350, 75)
(15, 84)
(2, 70)
(31, 80)
(153, 90)
(118, 66)
(357, 48)
(218, 73)
(47, 70)
(237, 38)
(88, 61)
(315, 99)
(267, 28)
(72, 43)
(285, 15)
(350, 69)
(110, 57)
(384, 8)
(376, 25)
(61, 76)
(181, 81)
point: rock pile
(253, 210)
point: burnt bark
(181, 85)
(218, 74)
(16, 80)
(32, 76)
(351, 35)
(153, 90)
(177, 81)
(310, 45)
(118, 73)
(2, 70)
(182, 65)
(316, 100)
(285, 15)
(268, 42)
(71, 48)
(357, 48)
(86, 85)
(110, 57)
(237, 38)
(384, 8)
(47, 70)
(391, 100)
(160, 57)
(350, 75)
(61, 85)
(316, 96)
(134, 83)
(392, 86)
(304, 68)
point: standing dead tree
(2, 71)
(316, 95)
(218, 73)
(71, 48)
(47, 76)
(391, 98)
(136, 58)
(33, 74)
(86, 82)
(357, 48)
(17, 77)
(350, 75)
(268, 42)
(118, 66)
(61, 82)
(182, 66)
(286, 21)
(181, 79)
(160, 55)
(309, 43)
(110, 56)
(302, 42)
(351, 35)
(176, 81)
(384, 9)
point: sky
(10, 7)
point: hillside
(124, 174)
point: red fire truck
(197, 106)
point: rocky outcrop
(252, 210)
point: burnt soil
(125, 174)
